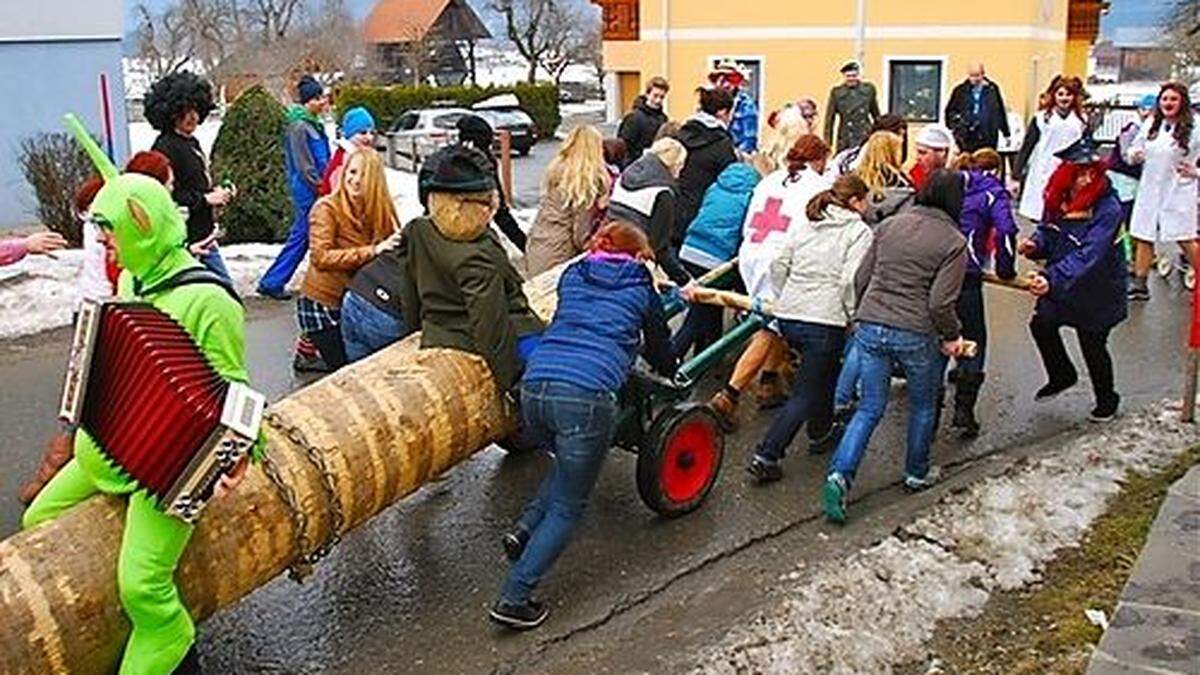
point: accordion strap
(189, 277)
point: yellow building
(915, 51)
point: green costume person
(150, 235)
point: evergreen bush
(249, 152)
(55, 166)
(387, 103)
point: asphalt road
(408, 591)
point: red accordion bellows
(152, 400)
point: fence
(1107, 119)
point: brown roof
(408, 20)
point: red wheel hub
(689, 459)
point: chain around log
(305, 561)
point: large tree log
(383, 427)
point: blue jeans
(295, 248)
(820, 348)
(578, 423)
(847, 383)
(366, 329)
(215, 263)
(918, 354)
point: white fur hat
(935, 136)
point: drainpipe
(860, 34)
(666, 47)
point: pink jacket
(12, 250)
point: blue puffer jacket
(605, 305)
(987, 222)
(716, 232)
(305, 154)
(1086, 269)
(744, 125)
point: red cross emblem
(769, 220)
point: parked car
(419, 133)
(516, 122)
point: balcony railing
(620, 19)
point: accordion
(141, 387)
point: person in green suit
(150, 237)
(852, 107)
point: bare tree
(272, 18)
(1181, 31)
(162, 40)
(551, 34)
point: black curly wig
(174, 94)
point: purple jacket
(1086, 269)
(987, 223)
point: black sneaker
(514, 544)
(764, 471)
(1106, 410)
(1139, 293)
(519, 617)
(1052, 389)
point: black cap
(475, 130)
(1083, 151)
(458, 168)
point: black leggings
(1093, 343)
(974, 322)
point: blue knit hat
(308, 88)
(357, 120)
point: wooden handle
(1021, 282)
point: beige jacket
(558, 234)
(813, 274)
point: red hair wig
(150, 163)
(1065, 195)
(618, 236)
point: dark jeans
(215, 263)
(366, 329)
(578, 423)
(974, 322)
(1059, 369)
(702, 325)
(820, 348)
(878, 347)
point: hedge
(387, 103)
(249, 152)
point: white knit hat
(935, 136)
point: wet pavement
(408, 591)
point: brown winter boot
(58, 452)
(772, 390)
(724, 403)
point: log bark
(383, 426)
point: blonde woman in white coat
(1058, 123)
(1167, 147)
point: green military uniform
(856, 109)
(150, 247)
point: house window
(915, 89)
(753, 68)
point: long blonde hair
(578, 171)
(880, 161)
(373, 210)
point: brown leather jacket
(336, 250)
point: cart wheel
(678, 466)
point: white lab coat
(1053, 135)
(761, 245)
(1165, 208)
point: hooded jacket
(606, 307)
(463, 290)
(645, 196)
(559, 233)
(305, 153)
(1086, 269)
(813, 275)
(150, 249)
(640, 126)
(710, 150)
(716, 232)
(987, 223)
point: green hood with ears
(150, 231)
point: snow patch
(878, 607)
